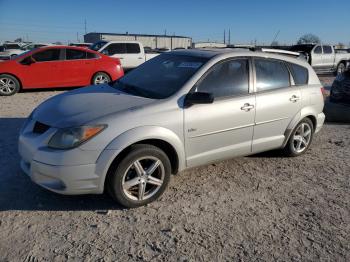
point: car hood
(83, 105)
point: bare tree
(309, 39)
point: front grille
(40, 128)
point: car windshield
(97, 46)
(161, 76)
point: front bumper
(67, 172)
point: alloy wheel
(101, 79)
(143, 178)
(7, 85)
(302, 137)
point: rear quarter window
(300, 74)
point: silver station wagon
(179, 110)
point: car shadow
(18, 192)
(32, 90)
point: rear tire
(140, 177)
(9, 85)
(340, 68)
(300, 138)
(101, 78)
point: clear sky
(61, 20)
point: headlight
(67, 138)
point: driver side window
(47, 55)
(229, 78)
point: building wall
(169, 42)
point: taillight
(324, 93)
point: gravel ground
(258, 208)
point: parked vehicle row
(130, 53)
(324, 58)
(57, 66)
(178, 110)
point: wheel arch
(99, 71)
(18, 79)
(305, 113)
(165, 139)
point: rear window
(327, 49)
(300, 74)
(271, 74)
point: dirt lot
(258, 208)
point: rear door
(46, 70)
(77, 69)
(224, 128)
(135, 56)
(277, 102)
(328, 57)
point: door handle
(294, 98)
(121, 58)
(247, 107)
(140, 57)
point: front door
(45, 71)
(224, 128)
(316, 57)
(277, 102)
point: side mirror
(198, 98)
(28, 61)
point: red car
(57, 66)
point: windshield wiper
(131, 89)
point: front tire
(101, 78)
(140, 177)
(300, 139)
(9, 85)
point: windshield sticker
(190, 64)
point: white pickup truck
(324, 58)
(130, 53)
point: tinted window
(47, 55)
(300, 74)
(161, 76)
(91, 55)
(318, 50)
(73, 54)
(132, 48)
(116, 49)
(226, 79)
(271, 74)
(327, 49)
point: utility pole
(78, 37)
(85, 26)
(165, 32)
(224, 36)
(229, 36)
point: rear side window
(91, 55)
(74, 54)
(47, 55)
(118, 48)
(133, 48)
(229, 78)
(271, 74)
(300, 74)
(327, 49)
(12, 46)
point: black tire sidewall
(115, 182)
(17, 88)
(289, 148)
